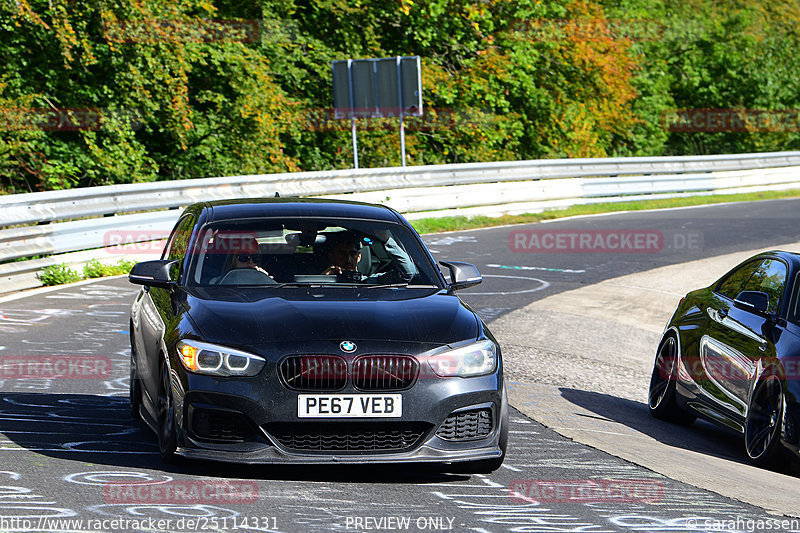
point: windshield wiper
(404, 284)
(314, 284)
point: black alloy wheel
(661, 394)
(167, 441)
(134, 386)
(763, 424)
(135, 392)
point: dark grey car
(249, 346)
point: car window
(769, 277)
(731, 285)
(177, 243)
(795, 316)
(309, 251)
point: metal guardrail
(115, 199)
(45, 223)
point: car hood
(375, 318)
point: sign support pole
(400, 102)
(402, 140)
(352, 114)
(355, 141)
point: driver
(344, 253)
(246, 256)
(245, 260)
(344, 256)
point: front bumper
(264, 403)
(425, 453)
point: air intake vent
(466, 425)
(348, 436)
(220, 426)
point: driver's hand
(258, 268)
(333, 269)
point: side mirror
(754, 301)
(152, 274)
(462, 275)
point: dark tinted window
(795, 317)
(769, 277)
(177, 243)
(319, 251)
(730, 287)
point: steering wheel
(384, 267)
(246, 276)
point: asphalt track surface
(66, 443)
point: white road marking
(544, 269)
(544, 285)
(447, 241)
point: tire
(661, 393)
(134, 386)
(167, 439)
(135, 394)
(762, 429)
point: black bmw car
(312, 331)
(731, 355)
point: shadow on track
(100, 430)
(701, 437)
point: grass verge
(61, 273)
(438, 225)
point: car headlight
(205, 358)
(476, 359)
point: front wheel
(167, 440)
(135, 394)
(762, 430)
(661, 395)
(134, 385)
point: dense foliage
(115, 91)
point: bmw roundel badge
(347, 346)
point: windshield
(308, 251)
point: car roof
(793, 258)
(292, 207)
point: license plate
(349, 405)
